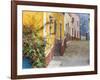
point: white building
(72, 26)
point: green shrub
(33, 47)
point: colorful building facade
(54, 28)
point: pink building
(75, 26)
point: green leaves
(33, 47)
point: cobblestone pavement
(76, 54)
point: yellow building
(34, 20)
(54, 31)
(50, 27)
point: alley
(76, 54)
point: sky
(84, 23)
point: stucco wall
(34, 20)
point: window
(55, 24)
(60, 31)
(67, 28)
(72, 20)
(72, 31)
(50, 18)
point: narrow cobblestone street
(76, 54)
